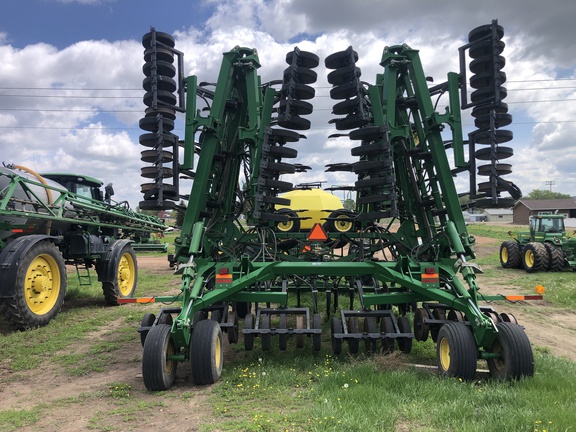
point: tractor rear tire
(516, 357)
(125, 277)
(39, 285)
(510, 254)
(535, 257)
(555, 257)
(158, 372)
(456, 351)
(206, 354)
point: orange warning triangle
(317, 233)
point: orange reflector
(317, 233)
(540, 289)
(523, 297)
(223, 278)
(137, 300)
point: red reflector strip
(523, 297)
(224, 278)
(430, 278)
(17, 230)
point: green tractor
(546, 247)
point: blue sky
(90, 50)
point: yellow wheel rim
(286, 226)
(343, 223)
(218, 352)
(42, 284)
(505, 255)
(529, 258)
(126, 274)
(444, 351)
(169, 352)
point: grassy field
(296, 390)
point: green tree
(349, 204)
(541, 194)
(180, 213)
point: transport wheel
(404, 343)
(38, 283)
(232, 331)
(421, 328)
(555, 257)
(283, 337)
(158, 371)
(370, 327)
(516, 358)
(341, 222)
(206, 355)
(249, 337)
(456, 351)
(336, 342)
(353, 328)
(510, 254)
(299, 338)
(147, 321)
(265, 336)
(292, 224)
(316, 337)
(535, 257)
(125, 276)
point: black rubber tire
(198, 316)
(370, 327)
(387, 326)
(535, 257)
(517, 359)
(353, 328)
(316, 337)
(216, 315)
(206, 354)
(456, 351)
(336, 342)
(126, 271)
(164, 38)
(421, 329)
(293, 223)
(265, 337)
(249, 337)
(147, 321)
(159, 373)
(340, 221)
(165, 318)
(341, 59)
(510, 254)
(163, 68)
(232, 331)
(26, 310)
(404, 343)
(283, 337)
(243, 308)
(556, 260)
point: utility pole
(550, 183)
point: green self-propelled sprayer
(397, 267)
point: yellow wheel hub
(126, 274)
(42, 284)
(444, 351)
(285, 226)
(505, 255)
(343, 224)
(529, 258)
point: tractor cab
(82, 185)
(547, 223)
